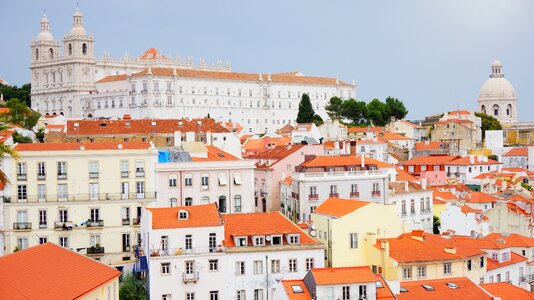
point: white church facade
(78, 85)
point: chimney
(450, 250)
(363, 160)
(384, 247)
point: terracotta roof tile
(426, 146)
(6, 134)
(288, 286)
(383, 292)
(467, 289)
(249, 224)
(215, 154)
(523, 151)
(507, 291)
(429, 160)
(480, 197)
(80, 146)
(344, 160)
(405, 176)
(151, 54)
(61, 274)
(343, 275)
(459, 112)
(513, 239)
(337, 207)
(288, 181)
(514, 259)
(364, 129)
(465, 161)
(205, 215)
(391, 136)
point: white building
(77, 84)
(497, 96)
(205, 175)
(409, 129)
(516, 158)
(464, 220)
(196, 253)
(306, 133)
(468, 167)
(414, 204)
(86, 197)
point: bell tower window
(51, 53)
(495, 110)
(509, 109)
(70, 49)
(36, 54)
(483, 108)
(84, 49)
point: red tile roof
(411, 124)
(383, 292)
(513, 239)
(467, 289)
(457, 121)
(512, 207)
(465, 161)
(443, 196)
(523, 151)
(459, 112)
(391, 136)
(288, 287)
(4, 110)
(144, 126)
(84, 146)
(514, 259)
(405, 176)
(215, 154)
(49, 271)
(429, 160)
(507, 291)
(206, 215)
(480, 197)
(344, 160)
(288, 180)
(151, 54)
(343, 275)
(282, 78)
(364, 129)
(426, 146)
(250, 224)
(5, 135)
(337, 207)
(278, 152)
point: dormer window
(259, 241)
(293, 239)
(183, 215)
(276, 240)
(241, 241)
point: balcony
(62, 176)
(126, 248)
(93, 175)
(68, 225)
(333, 195)
(140, 173)
(94, 250)
(82, 197)
(43, 225)
(125, 174)
(404, 214)
(191, 251)
(313, 197)
(6, 199)
(137, 221)
(375, 193)
(22, 226)
(95, 223)
(360, 174)
(41, 176)
(294, 195)
(190, 277)
(125, 221)
(22, 176)
(355, 195)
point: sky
(433, 55)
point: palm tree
(6, 150)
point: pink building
(434, 177)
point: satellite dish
(313, 233)
(119, 146)
(268, 238)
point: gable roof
(427, 146)
(292, 295)
(82, 146)
(343, 275)
(337, 207)
(522, 151)
(466, 161)
(344, 160)
(215, 154)
(429, 160)
(467, 289)
(513, 239)
(405, 176)
(507, 291)
(514, 259)
(480, 197)
(206, 215)
(62, 274)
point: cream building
(86, 197)
(497, 96)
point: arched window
(483, 108)
(172, 180)
(70, 49)
(84, 49)
(205, 200)
(237, 203)
(509, 109)
(188, 201)
(36, 54)
(51, 53)
(495, 110)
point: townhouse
(468, 167)
(516, 158)
(194, 252)
(408, 129)
(427, 148)
(199, 174)
(413, 203)
(421, 164)
(86, 197)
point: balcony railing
(137, 221)
(82, 197)
(22, 226)
(294, 195)
(355, 195)
(183, 251)
(125, 174)
(126, 248)
(95, 223)
(43, 225)
(190, 277)
(93, 175)
(375, 193)
(95, 250)
(61, 175)
(526, 278)
(68, 225)
(333, 195)
(23, 176)
(140, 173)
(125, 221)
(313, 197)
(41, 176)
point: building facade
(497, 96)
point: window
(188, 201)
(333, 189)
(258, 267)
(22, 192)
(124, 190)
(407, 273)
(205, 181)
(363, 291)
(346, 292)
(240, 295)
(237, 203)
(140, 168)
(42, 219)
(22, 243)
(241, 242)
(140, 189)
(41, 170)
(172, 180)
(237, 179)
(293, 265)
(447, 269)
(313, 190)
(182, 215)
(212, 242)
(505, 256)
(62, 170)
(495, 256)
(259, 241)
(93, 169)
(62, 191)
(94, 214)
(166, 297)
(125, 215)
(309, 263)
(412, 207)
(275, 266)
(64, 241)
(43, 240)
(222, 179)
(258, 294)
(189, 296)
(188, 181)
(469, 267)
(21, 171)
(188, 242)
(165, 268)
(214, 295)
(482, 261)
(421, 272)
(294, 239)
(93, 191)
(240, 268)
(214, 265)
(125, 169)
(63, 215)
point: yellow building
(418, 255)
(86, 197)
(343, 224)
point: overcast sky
(433, 55)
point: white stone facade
(497, 96)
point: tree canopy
(334, 108)
(395, 108)
(132, 288)
(357, 112)
(22, 93)
(354, 111)
(376, 113)
(306, 112)
(21, 114)
(488, 123)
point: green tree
(494, 157)
(22, 93)
(437, 224)
(306, 111)
(488, 123)
(21, 114)
(376, 113)
(6, 150)
(19, 138)
(354, 111)
(132, 288)
(334, 108)
(40, 135)
(395, 108)
(317, 120)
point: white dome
(77, 30)
(497, 88)
(45, 36)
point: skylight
(297, 289)
(428, 287)
(452, 285)
(379, 284)
(403, 289)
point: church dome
(45, 34)
(77, 25)
(497, 87)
